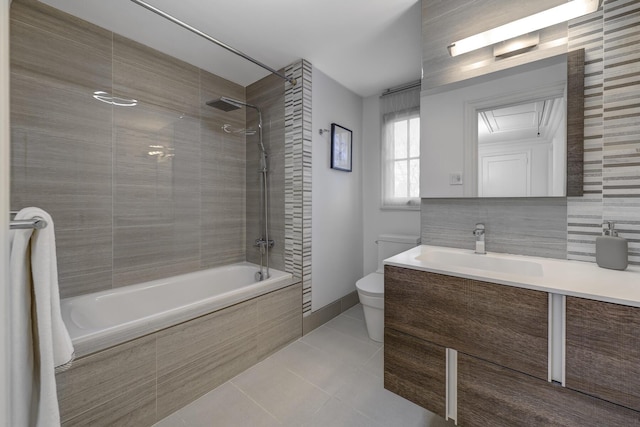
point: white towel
(39, 340)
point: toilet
(371, 287)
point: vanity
(505, 340)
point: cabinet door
(490, 395)
(425, 305)
(502, 324)
(603, 350)
(415, 370)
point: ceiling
(365, 45)
(520, 122)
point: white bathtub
(103, 319)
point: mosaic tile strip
(298, 178)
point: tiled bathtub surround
(135, 192)
(144, 380)
(535, 226)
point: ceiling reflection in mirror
(521, 149)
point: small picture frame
(341, 144)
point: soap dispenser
(611, 251)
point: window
(401, 156)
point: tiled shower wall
(612, 146)
(136, 193)
(268, 95)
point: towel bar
(35, 222)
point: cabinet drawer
(490, 395)
(603, 350)
(502, 324)
(415, 370)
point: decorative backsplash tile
(612, 132)
(526, 226)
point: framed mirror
(516, 133)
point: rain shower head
(229, 104)
(223, 104)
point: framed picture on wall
(341, 144)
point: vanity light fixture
(103, 96)
(529, 24)
(516, 45)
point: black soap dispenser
(612, 251)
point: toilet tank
(392, 244)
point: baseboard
(328, 312)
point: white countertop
(574, 278)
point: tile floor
(331, 377)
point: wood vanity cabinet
(500, 337)
(491, 395)
(603, 350)
(415, 369)
(502, 324)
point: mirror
(521, 146)
(508, 134)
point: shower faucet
(479, 233)
(262, 243)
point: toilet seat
(372, 285)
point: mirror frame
(575, 123)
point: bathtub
(104, 319)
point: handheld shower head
(229, 104)
(227, 128)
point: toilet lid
(371, 284)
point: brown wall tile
(279, 319)
(103, 386)
(197, 356)
(268, 94)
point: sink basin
(482, 262)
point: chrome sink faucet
(479, 233)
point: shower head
(223, 104)
(227, 128)
(229, 104)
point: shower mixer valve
(261, 243)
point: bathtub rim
(94, 342)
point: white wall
(336, 259)
(375, 220)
